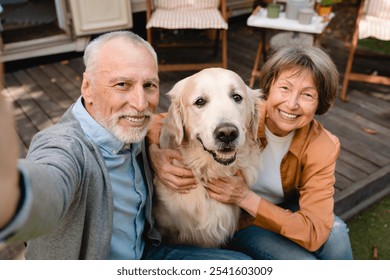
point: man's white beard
(128, 136)
(133, 135)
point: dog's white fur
(211, 100)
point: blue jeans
(262, 244)
(184, 252)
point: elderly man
(85, 189)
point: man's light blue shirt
(128, 186)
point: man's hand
(9, 152)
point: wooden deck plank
(373, 130)
(24, 127)
(365, 100)
(77, 65)
(358, 162)
(353, 144)
(371, 144)
(51, 108)
(246, 48)
(375, 106)
(355, 141)
(67, 87)
(49, 86)
(28, 105)
(369, 131)
(359, 108)
(69, 72)
(350, 172)
(23, 149)
(342, 182)
(363, 193)
(246, 61)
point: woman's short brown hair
(314, 59)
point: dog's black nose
(226, 133)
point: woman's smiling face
(292, 101)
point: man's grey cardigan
(72, 201)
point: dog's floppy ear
(256, 97)
(172, 132)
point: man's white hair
(92, 51)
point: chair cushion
(376, 20)
(186, 4)
(187, 19)
(374, 27)
(377, 8)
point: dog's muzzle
(226, 136)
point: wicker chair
(181, 15)
(373, 20)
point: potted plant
(324, 7)
(273, 9)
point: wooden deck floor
(41, 94)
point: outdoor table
(261, 21)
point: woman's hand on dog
(174, 177)
(234, 190)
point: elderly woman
(288, 212)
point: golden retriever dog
(213, 121)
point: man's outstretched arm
(9, 174)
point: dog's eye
(200, 102)
(237, 98)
